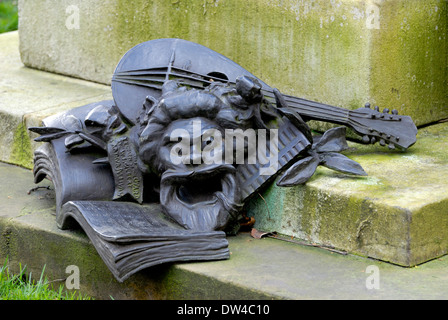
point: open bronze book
(131, 237)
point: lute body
(144, 69)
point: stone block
(342, 52)
(398, 213)
(28, 96)
(338, 52)
(265, 269)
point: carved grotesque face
(199, 195)
(182, 141)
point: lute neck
(154, 78)
(315, 110)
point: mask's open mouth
(205, 196)
(192, 192)
(201, 185)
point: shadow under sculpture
(162, 173)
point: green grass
(22, 286)
(9, 17)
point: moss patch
(21, 153)
(409, 57)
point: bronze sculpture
(188, 139)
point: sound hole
(217, 76)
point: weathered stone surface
(258, 269)
(409, 59)
(345, 52)
(397, 213)
(28, 96)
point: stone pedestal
(392, 53)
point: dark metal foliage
(325, 152)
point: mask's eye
(208, 141)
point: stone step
(396, 214)
(28, 96)
(257, 269)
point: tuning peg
(382, 142)
(395, 111)
(373, 140)
(391, 146)
(377, 108)
(367, 105)
(365, 139)
(386, 110)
